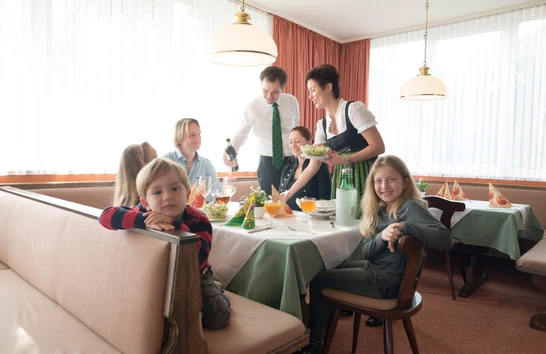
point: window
(81, 80)
(493, 123)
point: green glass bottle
(346, 199)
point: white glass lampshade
(423, 87)
(242, 44)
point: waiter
(270, 117)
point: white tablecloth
(233, 246)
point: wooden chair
(407, 304)
(448, 208)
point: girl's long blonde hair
(371, 203)
(133, 158)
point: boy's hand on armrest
(157, 218)
(161, 226)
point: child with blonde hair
(133, 158)
(164, 188)
(391, 208)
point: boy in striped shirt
(164, 188)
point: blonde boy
(163, 188)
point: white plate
(323, 212)
(219, 219)
(320, 158)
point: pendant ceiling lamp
(242, 44)
(424, 87)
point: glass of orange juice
(307, 205)
(272, 208)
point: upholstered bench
(534, 262)
(255, 328)
(68, 285)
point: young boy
(164, 188)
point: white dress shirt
(258, 117)
(359, 116)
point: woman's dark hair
(323, 75)
(274, 73)
(306, 133)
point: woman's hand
(285, 195)
(392, 234)
(335, 159)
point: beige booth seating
(101, 196)
(69, 285)
(98, 197)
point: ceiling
(349, 20)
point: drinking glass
(208, 185)
(307, 205)
(221, 197)
(214, 187)
(272, 208)
(229, 185)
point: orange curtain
(354, 65)
(300, 49)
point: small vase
(259, 212)
(422, 194)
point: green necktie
(277, 138)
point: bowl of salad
(315, 151)
(215, 211)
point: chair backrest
(448, 208)
(414, 250)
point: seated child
(164, 188)
(132, 160)
(391, 208)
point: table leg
(474, 272)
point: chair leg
(356, 330)
(388, 345)
(331, 330)
(450, 275)
(408, 326)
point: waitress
(349, 130)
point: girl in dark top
(392, 207)
(319, 186)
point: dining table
(481, 226)
(274, 266)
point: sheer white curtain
(81, 80)
(493, 123)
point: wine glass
(229, 185)
(221, 196)
(207, 187)
(307, 205)
(272, 208)
(214, 186)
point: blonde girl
(391, 208)
(132, 160)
